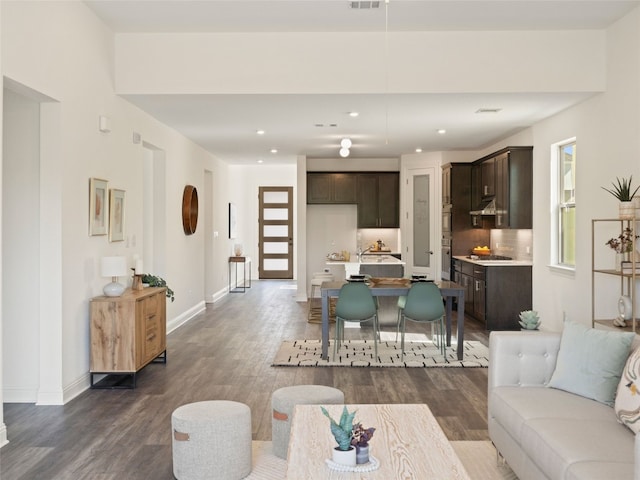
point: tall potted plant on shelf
(621, 189)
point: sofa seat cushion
(567, 436)
(560, 446)
(512, 407)
(600, 471)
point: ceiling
(388, 125)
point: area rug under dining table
(419, 352)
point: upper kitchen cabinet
(331, 188)
(512, 186)
(488, 178)
(379, 200)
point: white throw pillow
(627, 404)
(590, 361)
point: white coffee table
(408, 443)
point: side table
(246, 261)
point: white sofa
(547, 433)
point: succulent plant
(342, 431)
(621, 189)
(529, 319)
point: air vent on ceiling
(364, 5)
(488, 110)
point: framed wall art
(98, 206)
(233, 221)
(116, 215)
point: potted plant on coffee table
(360, 439)
(344, 453)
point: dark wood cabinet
(495, 295)
(458, 235)
(331, 188)
(378, 200)
(488, 178)
(511, 186)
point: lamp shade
(113, 266)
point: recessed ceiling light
(260, 161)
(260, 132)
(353, 114)
(488, 110)
(274, 150)
(345, 143)
(418, 150)
(344, 152)
(441, 131)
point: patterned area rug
(360, 353)
(479, 458)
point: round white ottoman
(211, 440)
(285, 399)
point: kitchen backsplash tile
(516, 244)
(389, 236)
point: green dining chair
(424, 305)
(355, 304)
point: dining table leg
(325, 324)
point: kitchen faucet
(361, 252)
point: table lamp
(113, 267)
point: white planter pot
(344, 457)
(636, 203)
(627, 210)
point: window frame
(559, 204)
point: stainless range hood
(487, 210)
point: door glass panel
(275, 213)
(275, 264)
(276, 231)
(421, 222)
(276, 247)
(275, 197)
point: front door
(276, 232)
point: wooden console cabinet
(127, 333)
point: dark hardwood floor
(223, 353)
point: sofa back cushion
(590, 361)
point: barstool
(314, 313)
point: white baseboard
(19, 395)
(3, 435)
(185, 316)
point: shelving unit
(628, 281)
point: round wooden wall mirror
(189, 209)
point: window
(564, 220)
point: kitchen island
(376, 265)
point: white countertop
(375, 259)
(495, 263)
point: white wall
(61, 50)
(246, 180)
(305, 62)
(20, 247)
(606, 128)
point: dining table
(448, 289)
